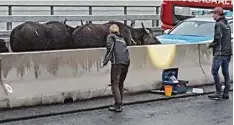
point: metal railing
(46, 18)
(87, 4)
(90, 5)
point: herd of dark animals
(55, 35)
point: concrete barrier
(53, 76)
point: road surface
(188, 111)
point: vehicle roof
(207, 19)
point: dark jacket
(222, 38)
(117, 51)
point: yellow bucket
(168, 90)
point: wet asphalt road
(189, 111)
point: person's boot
(226, 92)
(215, 96)
(113, 107)
(116, 108)
(119, 108)
(225, 96)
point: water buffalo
(32, 36)
(143, 35)
(140, 36)
(152, 40)
(3, 47)
(94, 35)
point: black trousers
(118, 76)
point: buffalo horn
(132, 23)
(64, 22)
(133, 41)
(147, 31)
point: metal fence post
(157, 12)
(125, 13)
(90, 13)
(9, 24)
(51, 10)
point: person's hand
(208, 46)
(103, 65)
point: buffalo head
(141, 35)
(152, 40)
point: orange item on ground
(168, 90)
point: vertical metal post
(90, 13)
(51, 10)
(1, 69)
(153, 22)
(125, 13)
(157, 12)
(9, 24)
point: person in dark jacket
(117, 53)
(222, 52)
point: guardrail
(46, 18)
(81, 3)
(90, 7)
(7, 33)
(89, 4)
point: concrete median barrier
(51, 77)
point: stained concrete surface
(79, 77)
(189, 111)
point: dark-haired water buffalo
(32, 36)
(94, 35)
(143, 35)
(139, 36)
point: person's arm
(217, 35)
(109, 49)
(109, 43)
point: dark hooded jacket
(222, 38)
(117, 51)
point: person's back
(120, 52)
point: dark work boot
(116, 108)
(119, 108)
(215, 96)
(113, 107)
(226, 92)
(225, 96)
